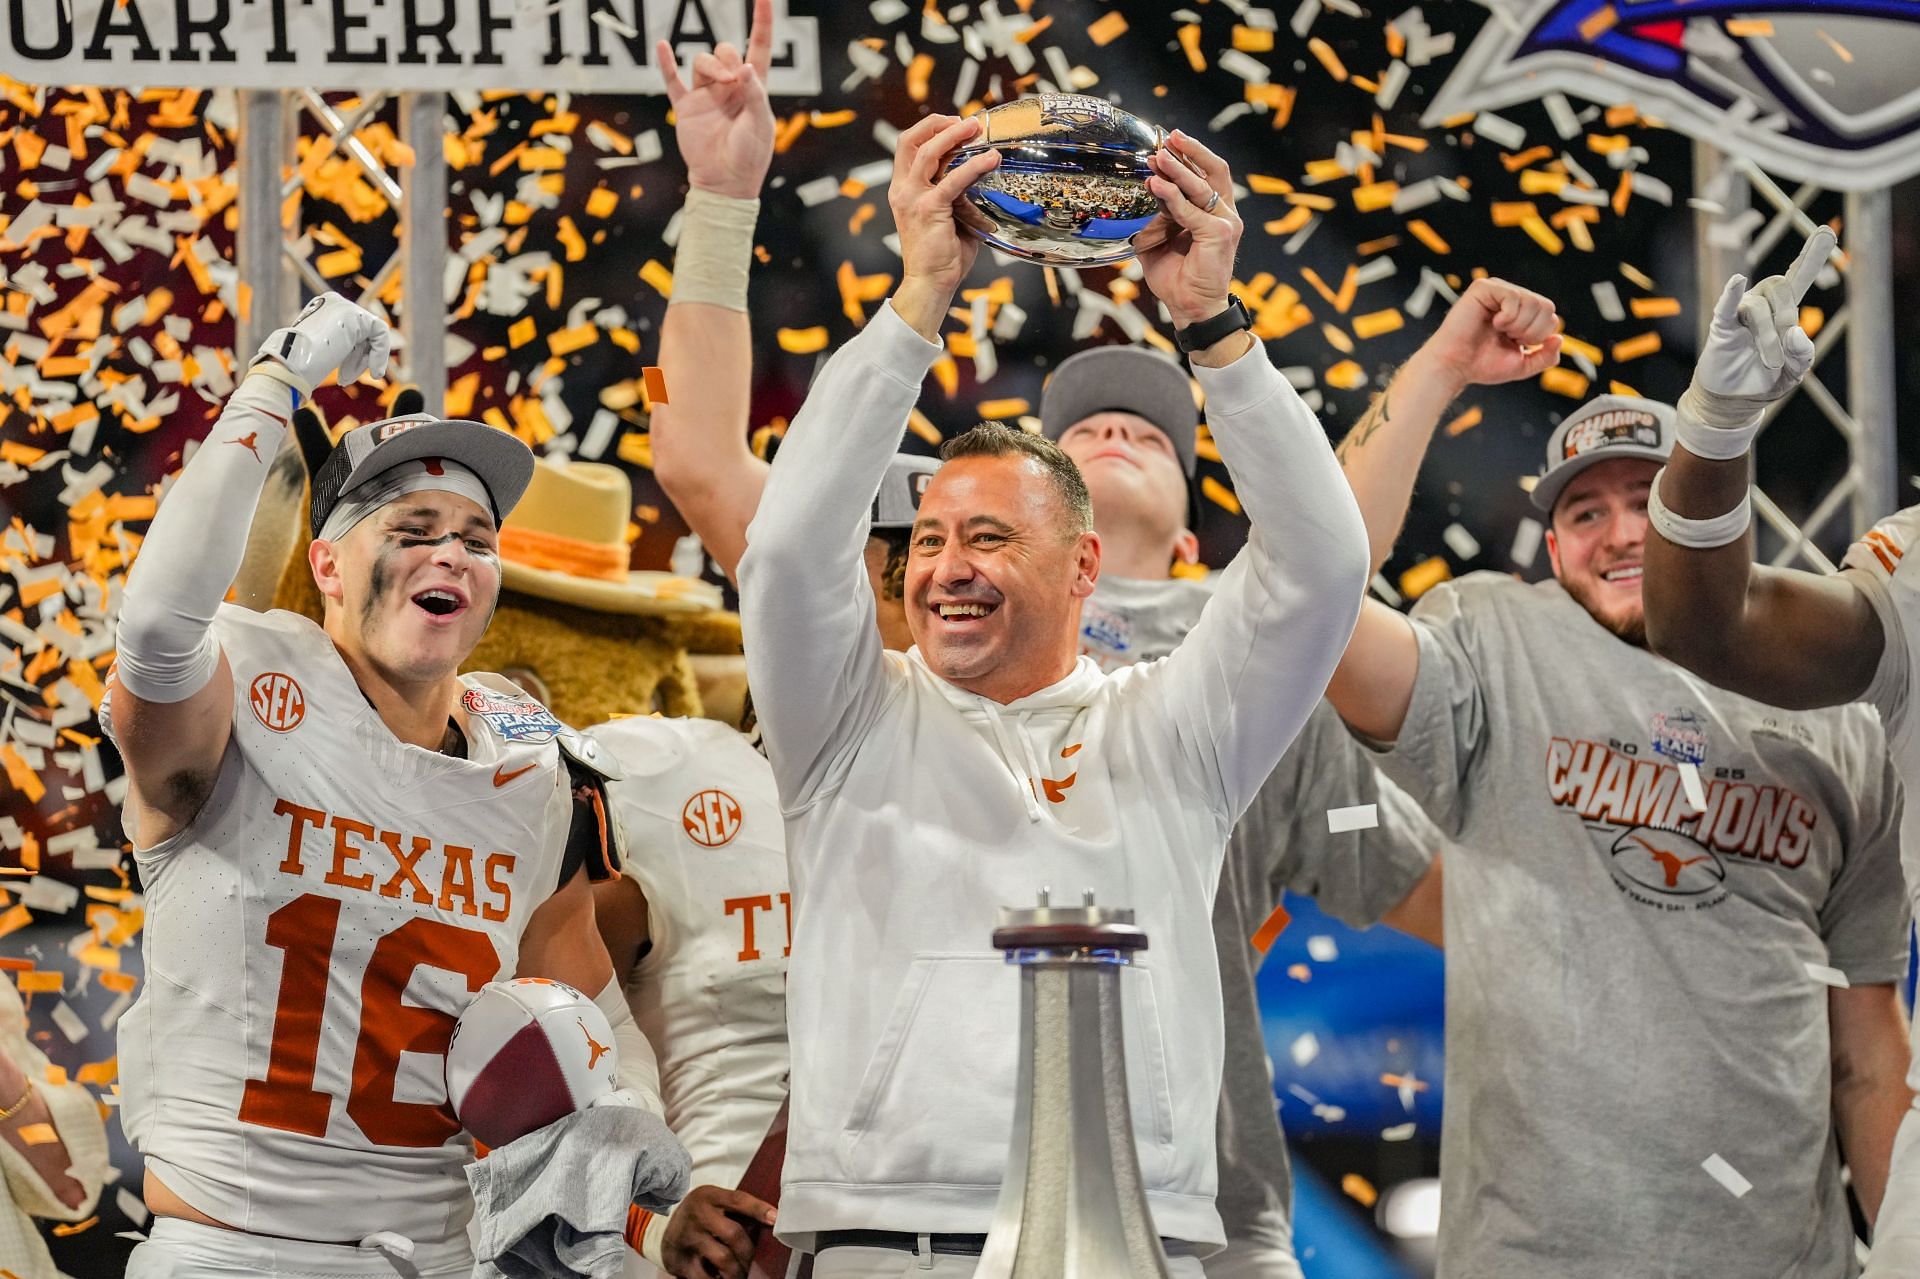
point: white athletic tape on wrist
(1717, 442)
(1698, 535)
(267, 367)
(715, 253)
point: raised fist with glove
(1755, 354)
(331, 334)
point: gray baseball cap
(897, 504)
(502, 462)
(1604, 428)
(1123, 379)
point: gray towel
(553, 1204)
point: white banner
(585, 46)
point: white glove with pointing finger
(1755, 354)
(331, 334)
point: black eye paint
(376, 584)
(409, 543)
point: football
(525, 1053)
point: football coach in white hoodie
(925, 790)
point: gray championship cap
(897, 505)
(502, 462)
(1123, 379)
(1604, 428)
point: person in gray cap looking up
(1673, 914)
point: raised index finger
(1813, 255)
(760, 38)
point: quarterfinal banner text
(585, 46)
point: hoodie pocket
(935, 1103)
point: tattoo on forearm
(1376, 416)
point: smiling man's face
(1598, 538)
(996, 575)
(413, 586)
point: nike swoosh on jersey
(501, 779)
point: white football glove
(1755, 354)
(331, 334)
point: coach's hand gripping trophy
(1072, 1205)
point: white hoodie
(915, 809)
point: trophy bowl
(1071, 189)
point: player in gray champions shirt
(1801, 639)
(1126, 416)
(1644, 1077)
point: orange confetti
(1252, 39)
(1465, 422)
(1189, 36)
(1219, 494)
(1346, 376)
(1104, 30)
(1653, 308)
(658, 276)
(1004, 409)
(1428, 236)
(1269, 932)
(656, 383)
(1323, 51)
(1423, 577)
(522, 331)
(1598, 24)
(806, 341)
(1376, 323)
(1565, 381)
(1634, 347)
(1359, 1189)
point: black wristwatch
(1200, 336)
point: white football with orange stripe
(525, 1053)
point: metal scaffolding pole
(1870, 346)
(423, 246)
(258, 246)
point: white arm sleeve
(636, 1069)
(194, 547)
(802, 579)
(1243, 681)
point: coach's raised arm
(924, 790)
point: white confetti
(1526, 542)
(1357, 817)
(1399, 1132)
(1607, 297)
(70, 1023)
(1322, 948)
(1499, 131)
(1827, 976)
(130, 1207)
(1305, 1048)
(1723, 1172)
(1460, 542)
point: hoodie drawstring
(1014, 761)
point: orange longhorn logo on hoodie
(1056, 791)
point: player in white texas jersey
(340, 839)
(1795, 639)
(701, 923)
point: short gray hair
(997, 439)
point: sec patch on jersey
(525, 1053)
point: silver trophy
(1071, 189)
(1072, 1205)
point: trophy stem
(1073, 1204)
